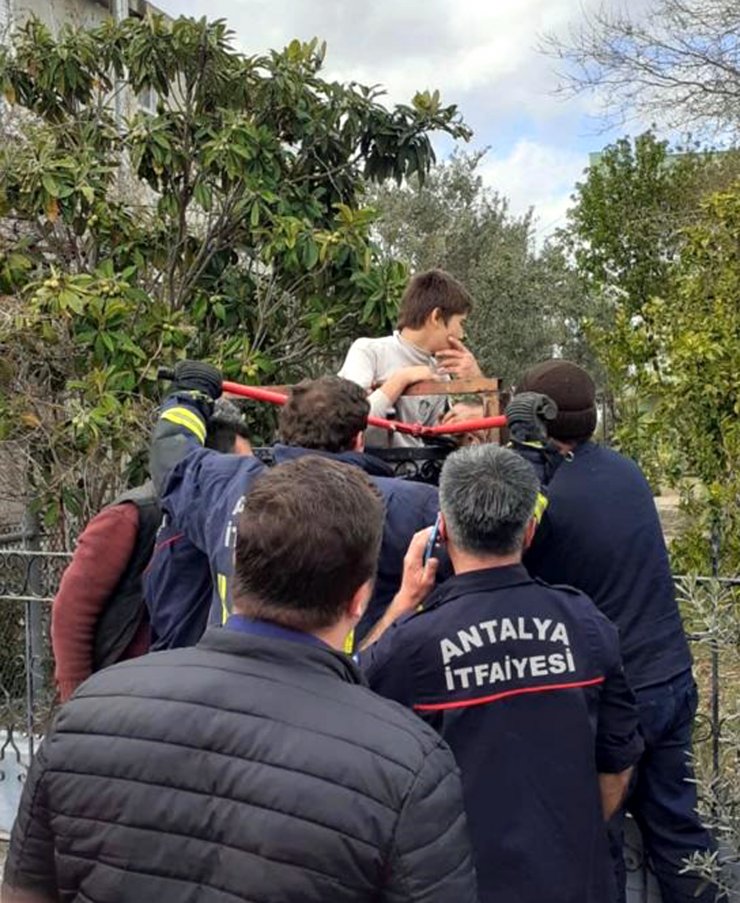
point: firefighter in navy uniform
(601, 533)
(202, 493)
(525, 683)
(178, 582)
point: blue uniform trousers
(663, 798)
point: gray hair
(487, 495)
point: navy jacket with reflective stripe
(202, 494)
(601, 533)
(525, 683)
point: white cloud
(481, 54)
(482, 51)
(536, 175)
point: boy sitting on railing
(427, 345)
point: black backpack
(125, 608)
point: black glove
(527, 415)
(194, 376)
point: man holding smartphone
(523, 680)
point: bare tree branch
(677, 61)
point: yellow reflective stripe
(534, 444)
(186, 418)
(349, 643)
(540, 506)
(223, 595)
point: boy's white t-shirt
(369, 363)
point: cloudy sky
(481, 55)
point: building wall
(4, 16)
(80, 13)
(13, 486)
(55, 13)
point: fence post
(715, 540)
(34, 627)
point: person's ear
(358, 443)
(242, 446)
(442, 528)
(357, 605)
(529, 532)
(436, 317)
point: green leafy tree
(694, 328)
(625, 225)
(669, 335)
(527, 301)
(228, 225)
(625, 233)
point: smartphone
(432, 541)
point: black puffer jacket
(246, 769)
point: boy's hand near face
(457, 361)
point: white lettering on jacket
(506, 668)
(476, 636)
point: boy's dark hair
(224, 425)
(325, 414)
(429, 290)
(309, 537)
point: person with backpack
(99, 615)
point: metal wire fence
(30, 570)
(29, 576)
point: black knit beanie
(573, 390)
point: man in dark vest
(99, 616)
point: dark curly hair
(325, 414)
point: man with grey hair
(522, 679)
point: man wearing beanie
(601, 534)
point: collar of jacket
(470, 583)
(274, 650)
(369, 463)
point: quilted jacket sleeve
(30, 874)
(431, 860)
